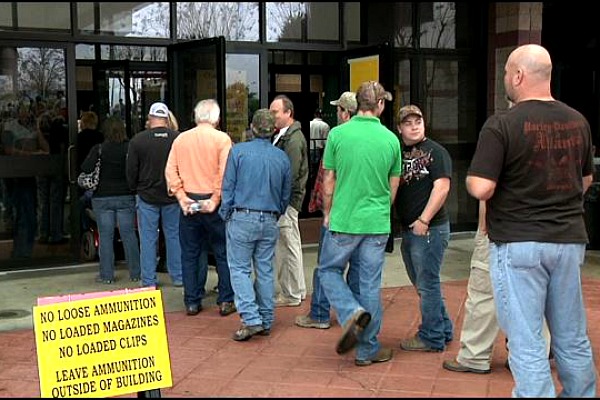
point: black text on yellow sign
(105, 346)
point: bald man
(532, 166)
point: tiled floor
(296, 362)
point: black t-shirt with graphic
(537, 153)
(423, 163)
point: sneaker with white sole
(305, 321)
(287, 302)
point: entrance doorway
(121, 88)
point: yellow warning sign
(102, 346)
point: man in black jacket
(146, 161)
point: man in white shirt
(319, 130)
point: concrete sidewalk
(20, 289)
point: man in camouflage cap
(253, 218)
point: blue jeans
(369, 253)
(196, 232)
(148, 225)
(319, 304)
(251, 241)
(110, 212)
(532, 280)
(422, 256)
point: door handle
(72, 167)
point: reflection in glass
(352, 21)
(85, 17)
(438, 25)
(133, 53)
(47, 15)
(33, 143)
(323, 22)
(236, 21)
(284, 21)
(440, 88)
(404, 27)
(242, 93)
(6, 14)
(85, 52)
(134, 19)
(402, 89)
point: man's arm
(216, 195)
(394, 183)
(480, 188)
(587, 182)
(481, 224)
(132, 169)
(437, 197)
(174, 182)
(327, 194)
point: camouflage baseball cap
(263, 123)
(347, 101)
(370, 92)
(409, 110)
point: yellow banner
(363, 69)
(104, 346)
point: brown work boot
(226, 308)
(416, 344)
(384, 354)
(246, 332)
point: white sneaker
(281, 301)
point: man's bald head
(527, 73)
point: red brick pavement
(296, 362)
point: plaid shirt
(316, 201)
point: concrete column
(511, 25)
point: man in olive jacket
(288, 255)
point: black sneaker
(384, 354)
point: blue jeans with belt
(423, 256)
(251, 240)
(196, 232)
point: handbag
(89, 181)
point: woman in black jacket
(113, 203)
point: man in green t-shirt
(362, 164)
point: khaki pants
(288, 257)
(480, 327)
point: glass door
(197, 72)
(35, 195)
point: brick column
(510, 25)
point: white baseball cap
(159, 110)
